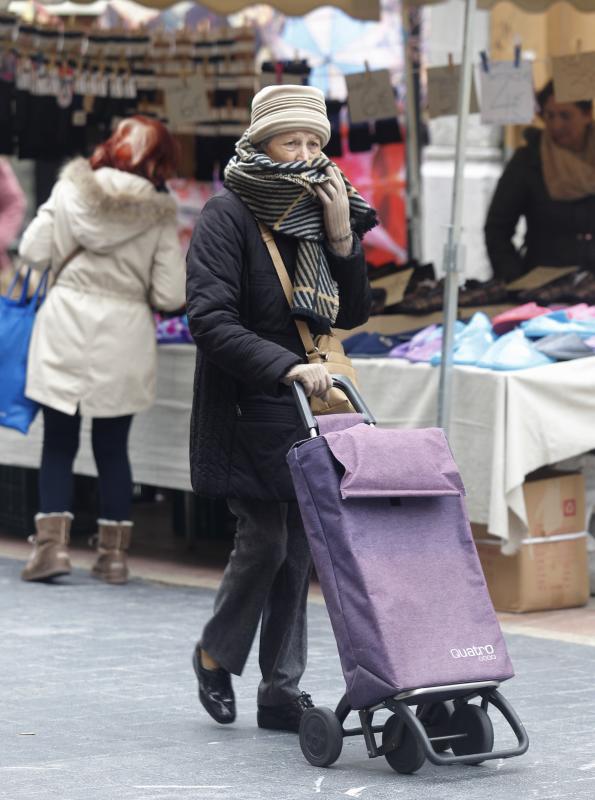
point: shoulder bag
(17, 317)
(325, 349)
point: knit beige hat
(288, 107)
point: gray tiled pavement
(98, 701)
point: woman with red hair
(108, 234)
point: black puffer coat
(559, 233)
(243, 419)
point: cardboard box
(398, 323)
(550, 571)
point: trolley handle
(341, 382)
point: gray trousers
(266, 580)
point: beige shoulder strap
(303, 329)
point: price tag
(54, 79)
(98, 85)
(41, 85)
(116, 86)
(81, 83)
(88, 103)
(79, 118)
(370, 96)
(507, 94)
(65, 93)
(443, 91)
(186, 101)
(24, 79)
(129, 88)
(574, 77)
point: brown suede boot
(49, 558)
(113, 540)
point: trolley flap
(394, 463)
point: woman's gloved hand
(315, 379)
(335, 208)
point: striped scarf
(282, 197)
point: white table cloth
(504, 426)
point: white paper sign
(98, 84)
(186, 101)
(370, 96)
(65, 93)
(443, 92)
(507, 94)
(24, 79)
(116, 86)
(79, 118)
(42, 84)
(129, 88)
(574, 77)
(81, 83)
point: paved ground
(98, 701)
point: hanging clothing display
(63, 92)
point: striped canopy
(525, 5)
(358, 9)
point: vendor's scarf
(282, 197)
(568, 175)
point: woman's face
(293, 146)
(566, 123)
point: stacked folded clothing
(173, 330)
(527, 336)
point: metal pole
(411, 145)
(452, 248)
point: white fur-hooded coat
(93, 345)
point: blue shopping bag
(16, 324)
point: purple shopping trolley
(385, 517)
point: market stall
(75, 82)
(490, 414)
(453, 247)
(495, 442)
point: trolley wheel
(321, 736)
(435, 717)
(407, 755)
(477, 725)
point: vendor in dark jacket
(550, 182)
(249, 352)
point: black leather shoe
(215, 691)
(285, 717)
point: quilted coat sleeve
(508, 205)
(351, 274)
(213, 299)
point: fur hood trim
(138, 197)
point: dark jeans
(109, 438)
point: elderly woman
(551, 183)
(249, 352)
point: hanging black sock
(205, 157)
(359, 137)
(334, 148)
(387, 131)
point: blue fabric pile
(550, 337)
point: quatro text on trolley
(484, 653)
